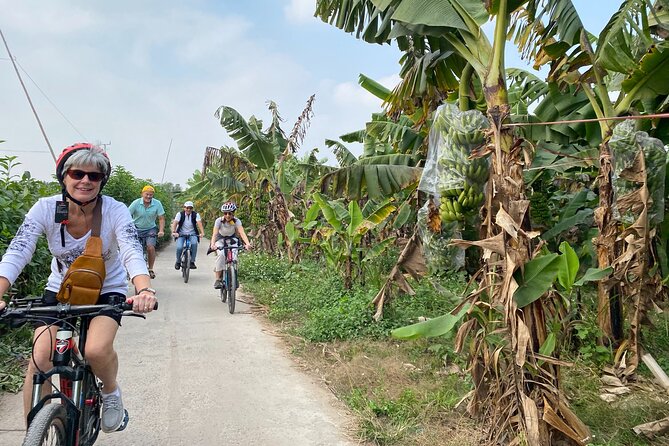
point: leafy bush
(14, 352)
(17, 196)
(315, 300)
(348, 316)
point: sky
(146, 77)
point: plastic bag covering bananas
(461, 180)
(624, 144)
(440, 256)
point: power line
(51, 102)
(27, 96)
(23, 151)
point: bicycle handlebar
(61, 310)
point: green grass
(312, 302)
(611, 423)
(15, 349)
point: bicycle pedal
(124, 423)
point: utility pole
(28, 96)
(166, 158)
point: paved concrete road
(193, 374)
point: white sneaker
(112, 411)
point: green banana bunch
(450, 210)
(461, 179)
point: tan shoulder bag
(83, 280)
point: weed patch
(15, 349)
(411, 393)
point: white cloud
(140, 74)
(300, 11)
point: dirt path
(193, 374)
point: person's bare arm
(161, 225)
(245, 239)
(212, 241)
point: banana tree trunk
(605, 241)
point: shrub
(314, 299)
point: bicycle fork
(71, 380)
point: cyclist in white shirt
(187, 223)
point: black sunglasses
(227, 213)
(77, 174)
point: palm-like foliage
(226, 175)
(276, 170)
(511, 383)
(430, 66)
(393, 154)
(630, 56)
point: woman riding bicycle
(226, 226)
(82, 171)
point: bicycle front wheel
(48, 427)
(185, 265)
(232, 289)
(90, 412)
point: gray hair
(93, 157)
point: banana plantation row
(534, 186)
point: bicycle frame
(142, 241)
(186, 245)
(71, 379)
(186, 257)
(229, 273)
(228, 249)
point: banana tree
(342, 237)
(393, 153)
(270, 151)
(226, 175)
(517, 393)
(630, 59)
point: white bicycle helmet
(189, 204)
(229, 206)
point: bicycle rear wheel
(48, 427)
(232, 289)
(185, 265)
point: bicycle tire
(90, 414)
(232, 289)
(185, 265)
(224, 292)
(48, 427)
